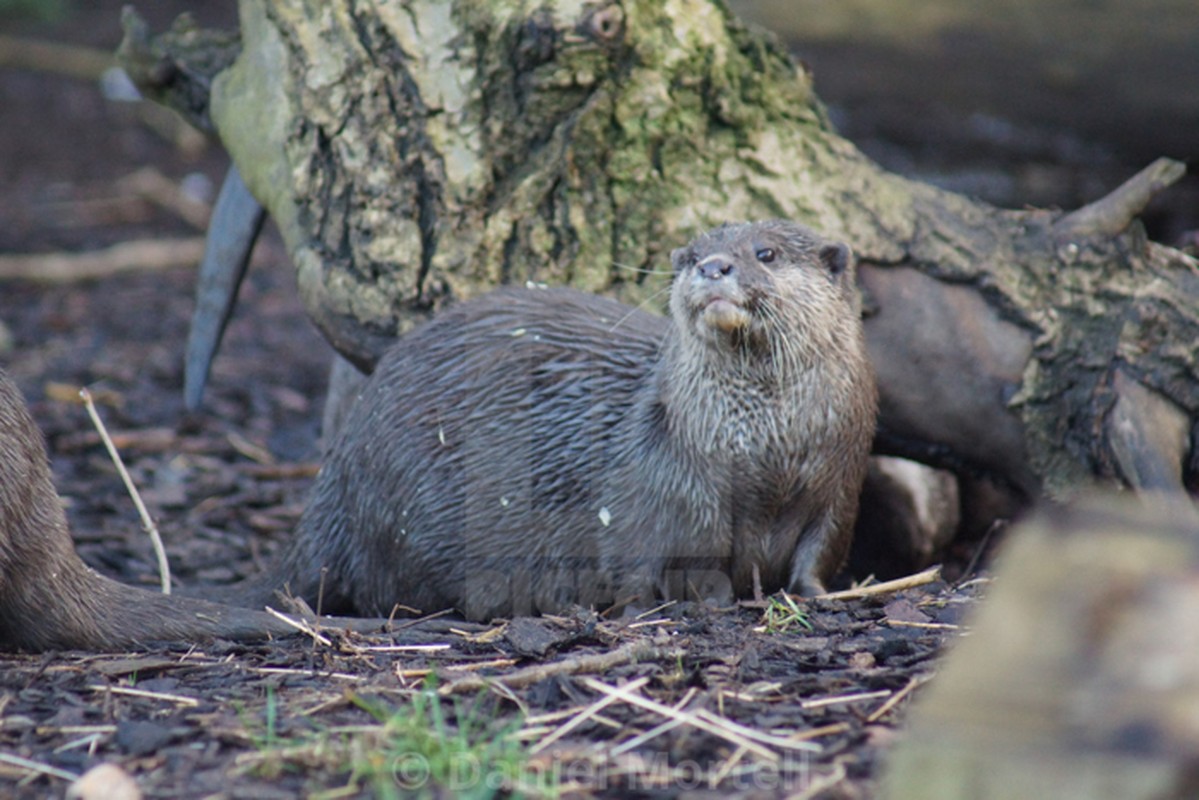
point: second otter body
(540, 447)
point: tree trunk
(414, 152)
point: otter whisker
(639, 307)
(640, 270)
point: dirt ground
(715, 702)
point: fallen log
(414, 155)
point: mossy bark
(416, 152)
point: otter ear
(837, 258)
(678, 258)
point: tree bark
(414, 153)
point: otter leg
(819, 553)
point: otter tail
(80, 609)
(49, 598)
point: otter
(538, 447)
(532, 449)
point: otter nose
(715, 267)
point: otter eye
(765, 255)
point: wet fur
(540, 447)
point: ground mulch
(684, 701)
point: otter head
(775, 287)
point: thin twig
(655, 610)
(495, 663)
(402, 648)
(651, 623)
(887, 587)
(781, 742)
(642, 738)
(537, 731)
(876, 715)
(855, 697)
(752, 693)
(299, 625)
(307, 673)
(536, 720)
(816, 733)
(140, 256)
(130, 692)
(36, 766)
(88, 741)
(589, 712)
(164, 569)
(982, 546)
(928, 626)
(412, 623)
(686, 718)
(715, 778)
(657, 731)
(631, 652)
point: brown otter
(534, 448)
(539, 447)
(48, 597)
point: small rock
(904, 610)
(104, 782)
(533, 637)
(863, 661)
(139, 738)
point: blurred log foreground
(414, 152)
(1080, 676)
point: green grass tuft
(784, 615)
(421, 754)
(420, 749)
